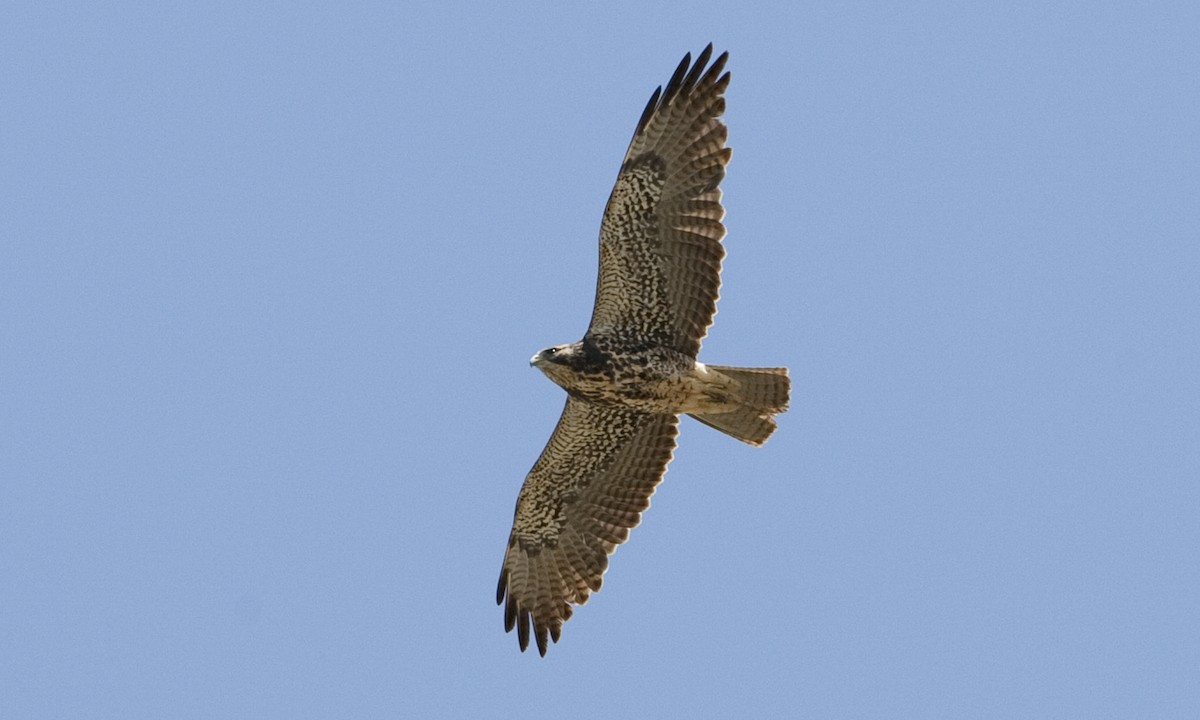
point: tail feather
(760, 394)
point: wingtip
(686, 76)
(523, 629)
(698, 67)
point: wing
(585, 492)
(660, 239)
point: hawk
(635, 370)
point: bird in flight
(636, 369)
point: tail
(760, 393)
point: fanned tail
(761, 394)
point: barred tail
(761, 394)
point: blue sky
(271, 276)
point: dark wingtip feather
(676, 80)
(694, 74)
(510, 614)
(502, 586)
(721, 82)
(686, 77)
(650, 107)
(523, 629)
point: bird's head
(561, 363)
(569, 365)
(554, 355)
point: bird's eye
(551, 351)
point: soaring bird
(636, 369)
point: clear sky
(271, 275)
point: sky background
(271, 275)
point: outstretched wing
(660, 239)
(585, 492)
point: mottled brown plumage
(635, 370)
